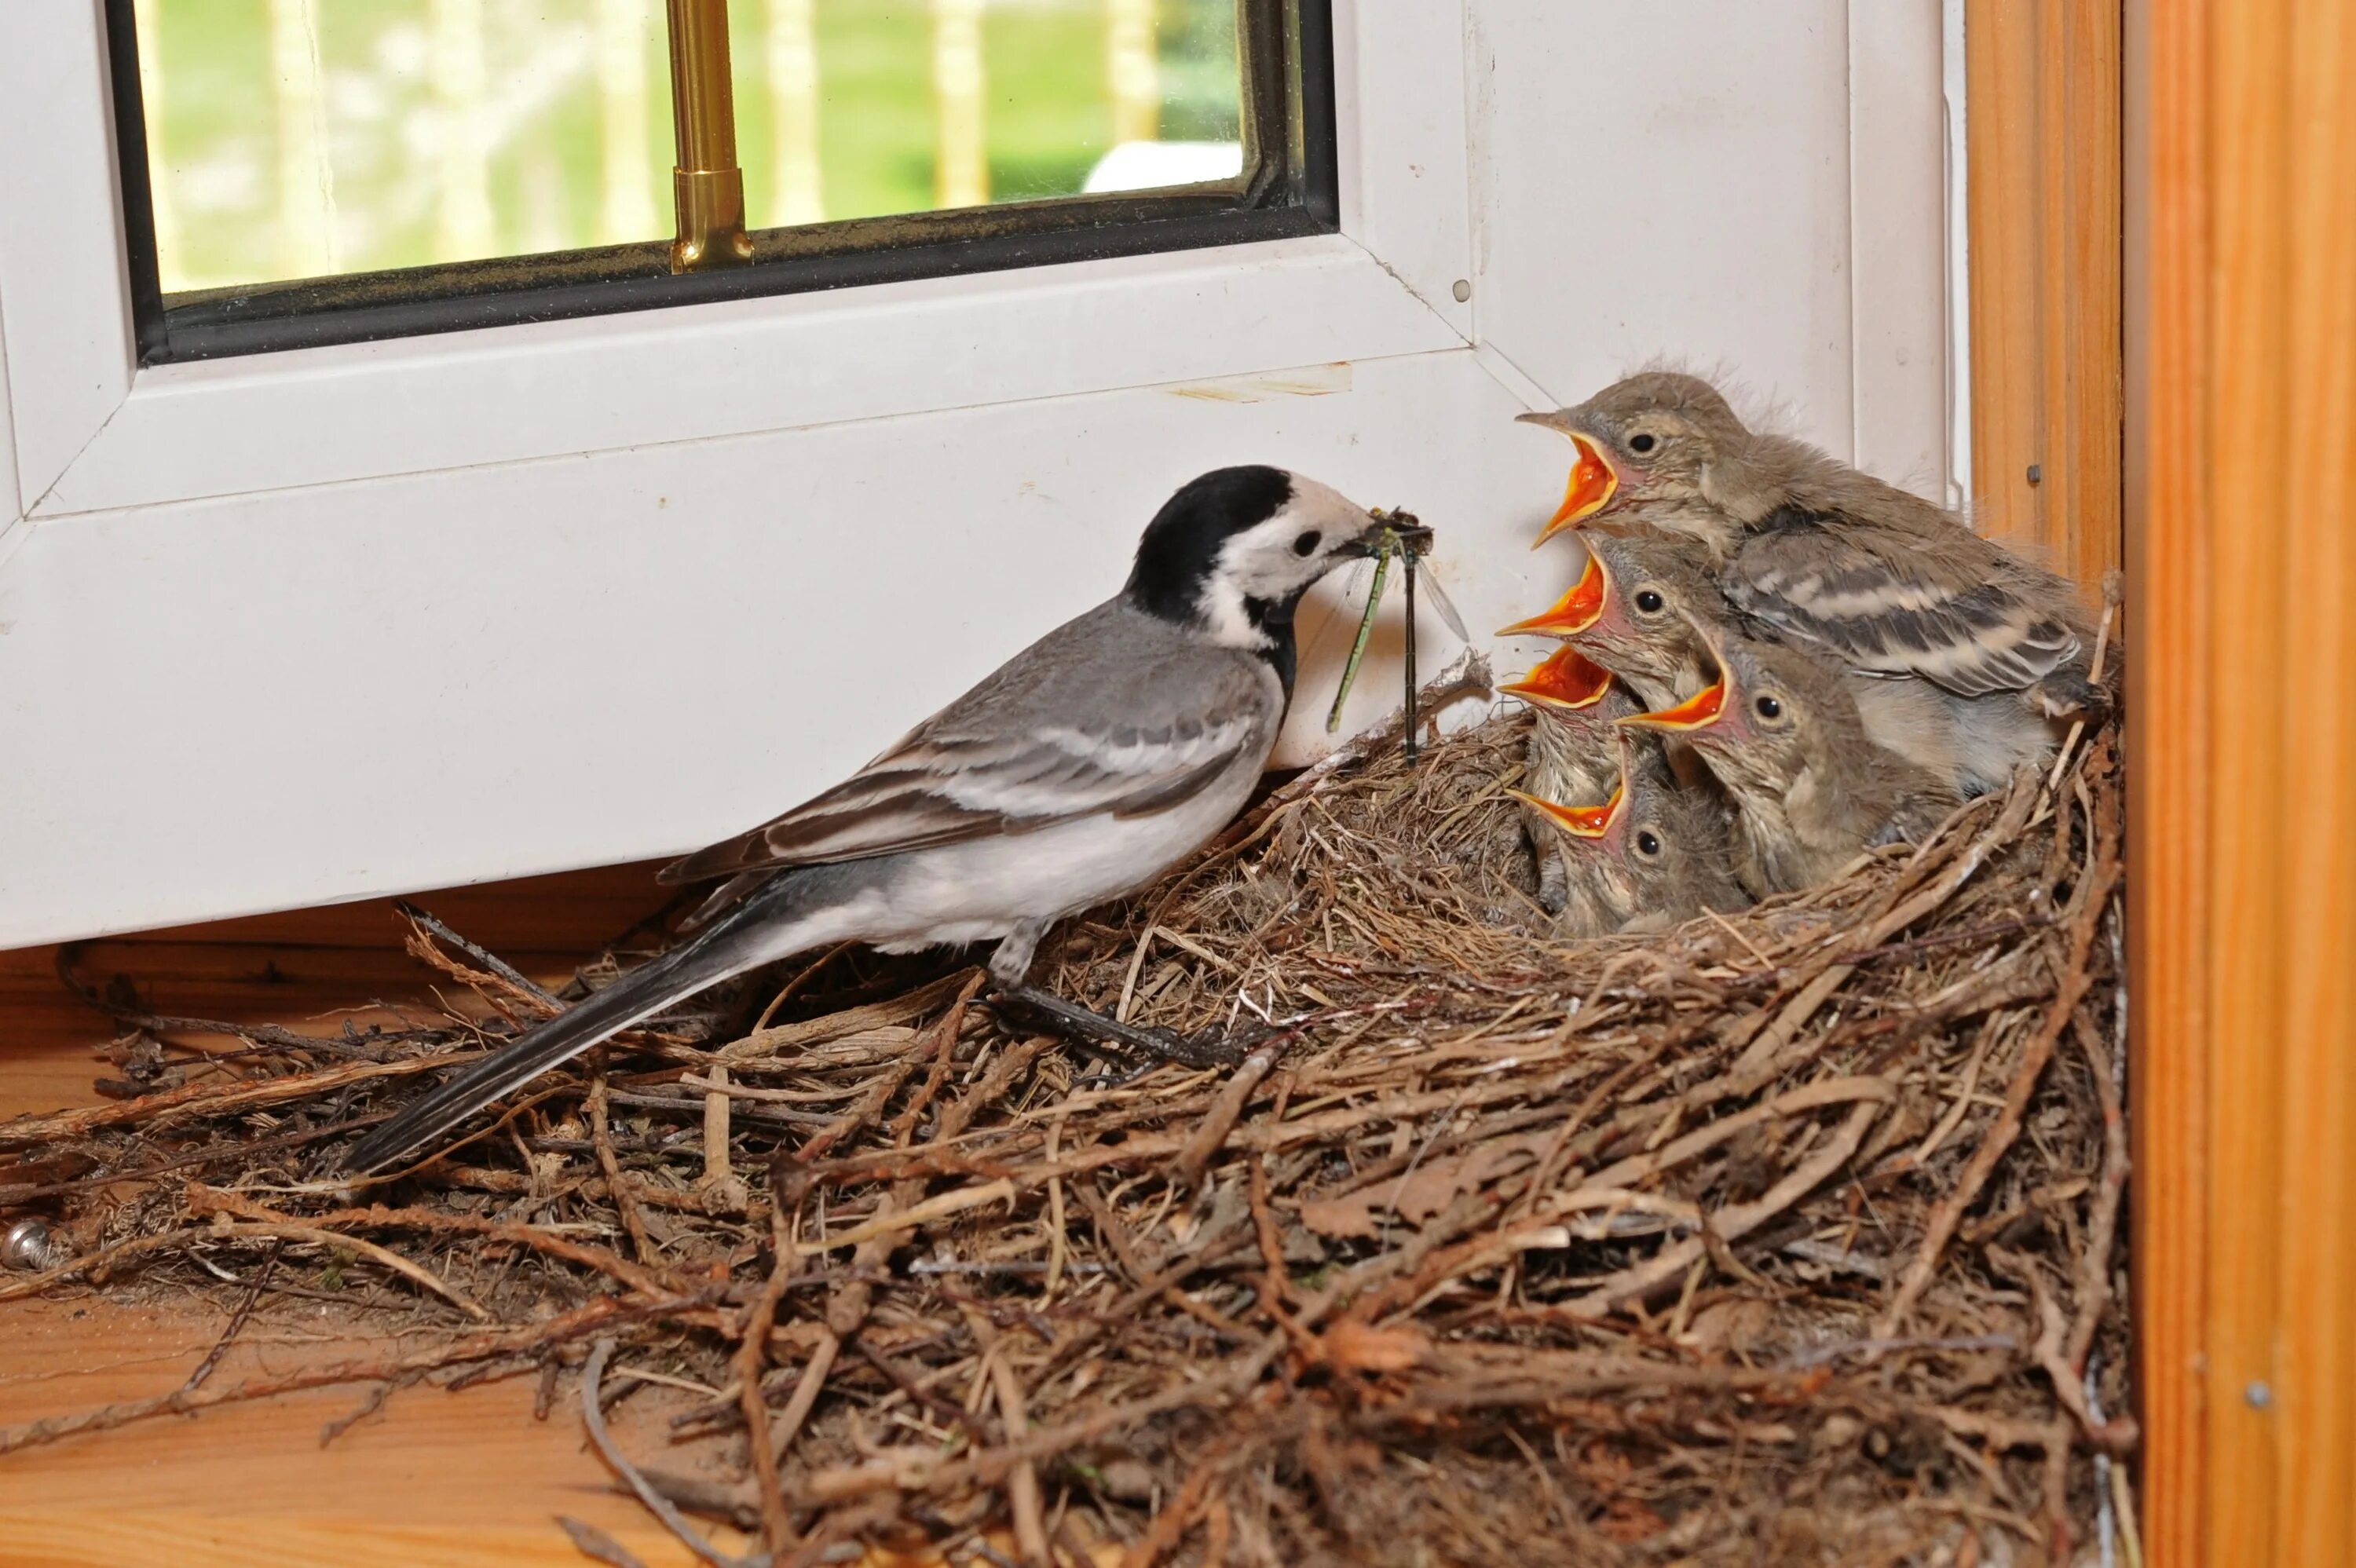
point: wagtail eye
(1641, 444)
(1306, 545)
(1650, 601)
(1648, 843)
(1769, 708)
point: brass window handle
(707, 185)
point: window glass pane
(301, 138)
(305, 138)
(864, 108)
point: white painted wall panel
(1669, 179)
(1411, 149)
(1897, 241)
(12, 504)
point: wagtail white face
(1087, 766)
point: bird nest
(1790, 1235)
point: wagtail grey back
(1102, 754)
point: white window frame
(359, 453)
(95, 434)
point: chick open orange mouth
(1695, 712)
(1582, 821)
(1592, 484)
(1568, 679)
(1570, 615)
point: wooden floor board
(448, 1478)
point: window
(431, 536)
(307, 172)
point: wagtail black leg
(1208, 1048)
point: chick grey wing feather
(1115, 713)
(1951, 611)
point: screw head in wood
(29, 1247)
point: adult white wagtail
(1088, 764)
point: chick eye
(1769, 707)
(1306, 543)
(1648, 843)
(1650, 601)
(1642, 443)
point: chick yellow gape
(1639, 633)
(1865, 575)
(1573, 612)
(1568, 681)
(1579, 821)
(1572, 752)
(1699, 711)
(1592, 484)
(1811, 789)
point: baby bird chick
(1856, 571)
(1632, 612)
(1573, 753)
(1639, 624)
(1616, 618)
(1651, 856)
(1811, 790)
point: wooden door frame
(2244, 566)
(2042, 90)
(2194, 407)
